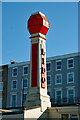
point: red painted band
(34, 64)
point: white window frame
(56, 65)
(2, 85)
(22, 83)
(56, 79)
(11, 99)
(68, 64)
(46, 66)
(71, 88)
(58, 89)
(12, 71)
(68, 77)
(50, 80)
(12, 85)
(23, 70)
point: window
(74, 117)
(69, 116)
(24, 98)
(58, 79)
(25, 70)
(14, 100)
(58, 96)
(1, 74)
(64, 116)
(48, 66)
(48, 80)
(71, 95)
(0, 102)
(14, 84)
(14, 72)
(58, 65)
(70, 77)
(1, 86)
(25, 83)
(70, 63)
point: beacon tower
(38, 26)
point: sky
(62, 36)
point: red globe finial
(38, 23)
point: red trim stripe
(34, 64)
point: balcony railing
(65, 101)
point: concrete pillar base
(37, 99)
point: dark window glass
(70, 63)
(25, 70)
(58, 65)
(48, 66)
(1, 74)
(70, 77)
(1, 86)
(58, 97)
(25, 83)
(24, 98)
(70, 96)
(48, 80)
(64, 116)
(14, 84)
(73, 117)
(13, 100)
(58, 79)
(15, 72)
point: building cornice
(63, 56)
(48, 59)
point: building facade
(18, 82)
(63, 80)
(3, 85)
(63, 72)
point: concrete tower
(38, 26)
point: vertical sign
(43, 66)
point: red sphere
(38, 23)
